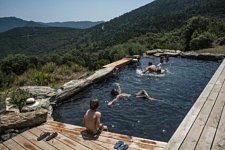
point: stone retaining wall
(191, 54)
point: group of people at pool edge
(92, 117)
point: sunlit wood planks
(72, 137)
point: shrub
(35, 77)
(201, 41)
(49, 67)
(19, 97)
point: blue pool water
(177, 91)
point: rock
(209, 56)
(191, 55)
(40, 91)
(39, 103)
(73, 87)
(13, 120)
(221, 41)
(154, 51)
(30, 101)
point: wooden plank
(41, 144)
(119, 63)
(25, 143)
(106, 140)
(54, 142)
(78, 129)
(75, 136)
(180, 134)
(3, 147)
(12, 145)
(207, 137)
(112, 138)
(66, 140)
(219, 141)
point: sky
(68, 10)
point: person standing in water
(92, 118)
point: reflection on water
(177, 90)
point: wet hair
(150, 63)
(94, 104)
(114, 92)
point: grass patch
(215, 50)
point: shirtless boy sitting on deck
(92, 117)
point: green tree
(15, 63)
(197, 25)
(203, 40)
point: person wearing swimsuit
(92, 117)
(117, 92)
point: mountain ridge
(8, 23)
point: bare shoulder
(98, 114)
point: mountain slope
(157, 17)
(8, 23)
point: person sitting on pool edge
(117, 92)
(153, 68)
(92, 118)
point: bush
(101, 62)
(49, 67)
(35, 77)
(203, 40)
(19, 97)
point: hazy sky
(68, 10)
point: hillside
(8, 23)
(158, 17)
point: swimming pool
(177, 90)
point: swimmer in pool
(153, 68)
(117, 92)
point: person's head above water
(150, 63)
(94, 104)
(114, 92)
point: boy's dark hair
(150, 63)
(94, 104)
(114, 92)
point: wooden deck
(119, 63)
(203, 128)
(72, 137)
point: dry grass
(215, 50)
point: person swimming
(142, 94)
(153, 68)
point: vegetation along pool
(177, 91)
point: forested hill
(8, 23)
(157, 17)
(164, 15)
